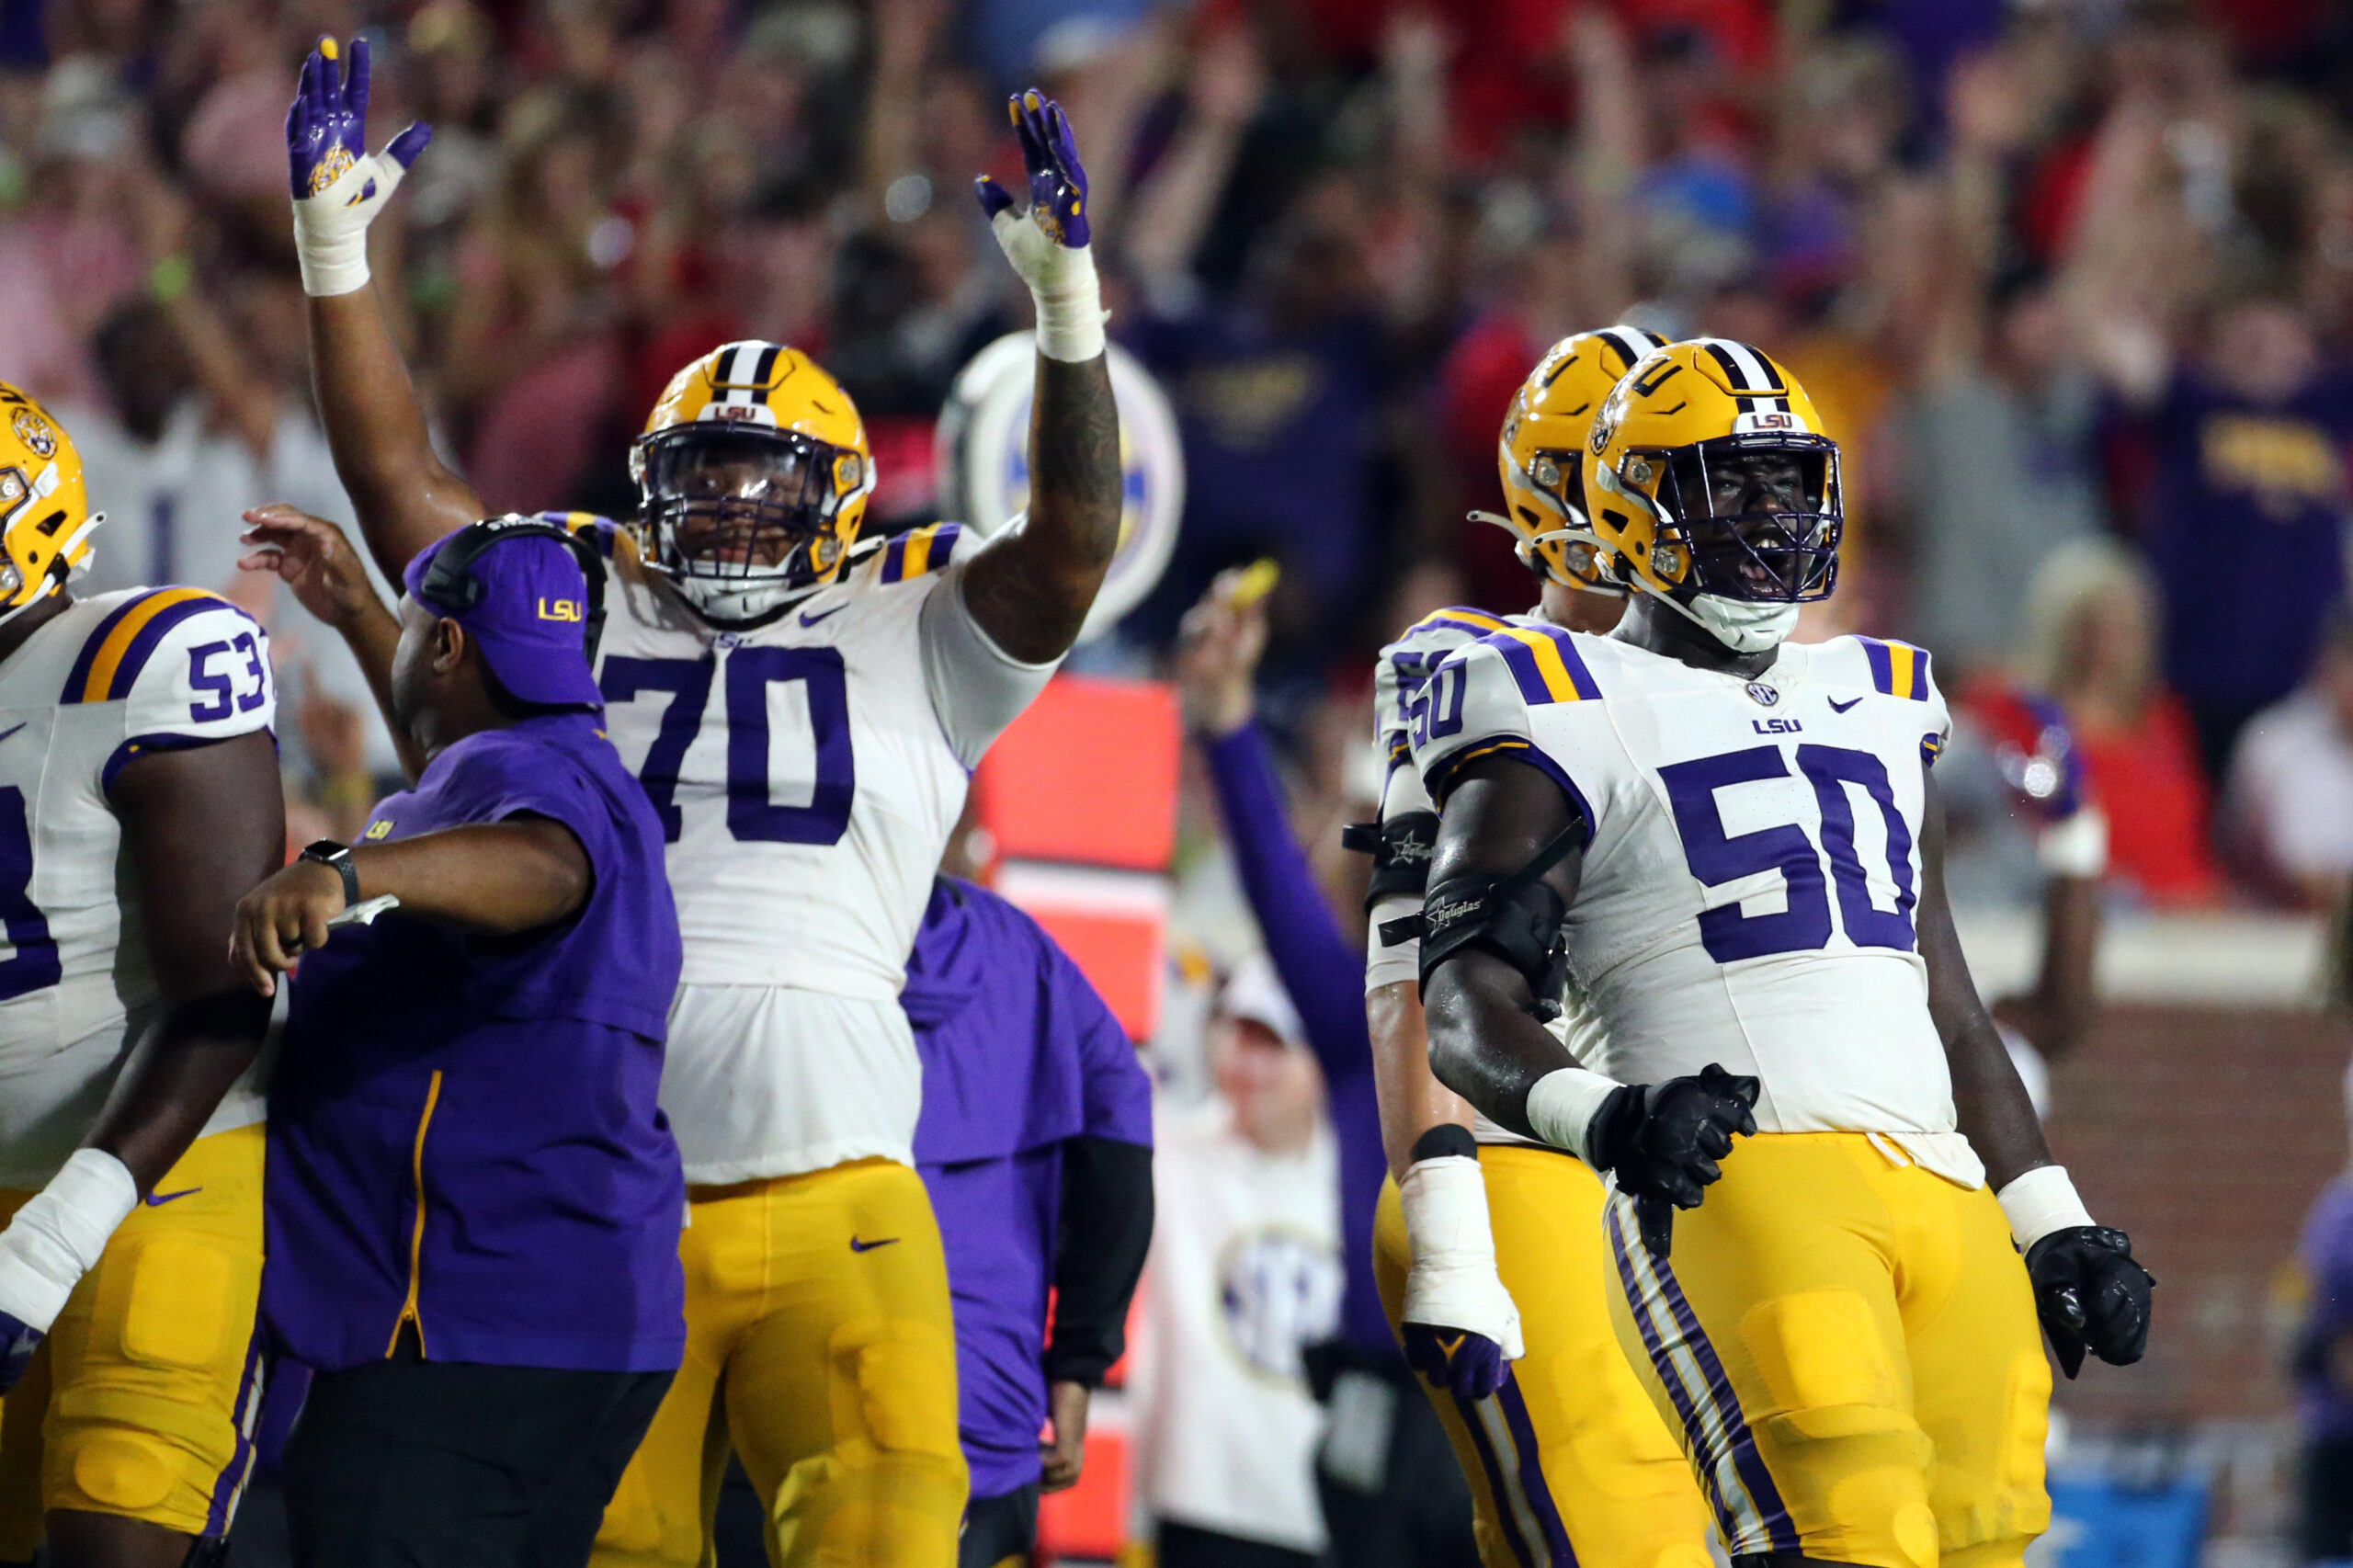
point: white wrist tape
(1453, 1282)
(1383, 964)
(1561, 1106)
(2040, 1202)
(2077, 847)
(59, 1235)
(1061, 284)
(331, 226)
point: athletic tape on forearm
(1061, 284)
(1384, 963)
(60, 1233)
(2040, 1202)
(331, 228)
(1444, 1200)
(1561, 1106)
(2077, 847)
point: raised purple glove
(1466, 1365)
(326, 130)
(1057, 179)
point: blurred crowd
(2071, 281)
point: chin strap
(1525, 549)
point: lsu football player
(1730, 846)
(139, 799)
(804, 708)
(1567, 1463)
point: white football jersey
(1752, 867)
(106, 679)
(809, 773)
(1404, 667)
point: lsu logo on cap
(571, 611)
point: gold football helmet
(752, 474)
(45, 517)
(1709, 476)
(1540, 454)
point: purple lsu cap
(530, 615)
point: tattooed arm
(1031, 590)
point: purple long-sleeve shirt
(1023, 1068)
(2324, 1407)
(1323, 972)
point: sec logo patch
(1764, 694)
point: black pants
(2326, 1530)
(409, 1463)
(1409, 1507)
(998, 1527)
(1182, 1546)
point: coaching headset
(450, 580)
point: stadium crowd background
(2072, 282)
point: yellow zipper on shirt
(416, 1235)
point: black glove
(2090, 1295)
(1663, 1141)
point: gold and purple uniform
(143, 1401)
(1845, 1337)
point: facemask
(1742, 627)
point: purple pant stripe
(1469, 1411)
(1694, 1429)
(231, 1480)
(1531, 1473)
(1745, 1457)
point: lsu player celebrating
(1733, 846)
(139, 798)
(1489, 1252)
(804, 713)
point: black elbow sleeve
(1401, 849)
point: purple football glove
(326, 130)
(1466, 1365)
(18, 1340)
(1057, 179)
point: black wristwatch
(328, 852)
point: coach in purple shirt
(1035, 1142)
(473, 1204)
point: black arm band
(1446, 1140)
(1517, 917)
(1401, 849)
(1106, 1231)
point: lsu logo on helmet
(1708, 474)
(45, 517)
(753, 472)
(1540, 456)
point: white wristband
(2075, 847)
(1561, 1106)
(2040, 1202)
(60, 1234)
(331, 226)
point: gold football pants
(820, 1349)
(1568, 1457)
(1849, 1346)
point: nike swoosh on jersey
(808, 620)
(1838, 707)
(856, 1245)
(157, 1199)
(13, 729)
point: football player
(139, 798)
(804, 711)
(1566, 1461)
(1731, 845)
